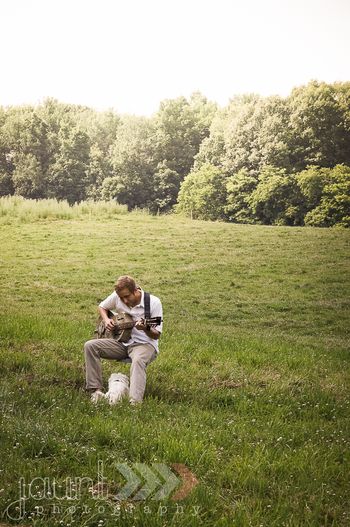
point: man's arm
(156, 311)
(108, 322)
(152, 333)
(106, 305)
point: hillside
(249, 392)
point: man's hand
(109, 323)
(140, 324)
(150, 332)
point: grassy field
(250, 391)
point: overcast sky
(131, 54)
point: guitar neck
(148, 322)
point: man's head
(128, 291)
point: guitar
(123, 326)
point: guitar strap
(147, 302)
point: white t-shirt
(113, 302)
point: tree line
(270, 160)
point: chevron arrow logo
(159, 477)
(132, 482)
(152, 482)
(189, 481)
(171, 481)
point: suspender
(147, 302)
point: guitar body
(120, 332)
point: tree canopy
(260, 159)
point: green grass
(27, 210)
(250, 390)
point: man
(142, 348)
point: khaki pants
(140, 354)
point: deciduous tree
(203, 194)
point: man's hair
(127, 282)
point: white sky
(131, 54)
